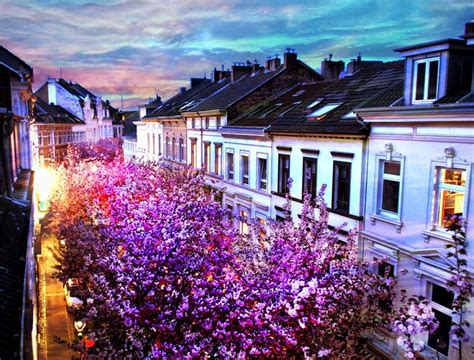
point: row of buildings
(35, 129)
(393, 142)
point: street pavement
(56, 324)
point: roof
(14, 224)
(129, 128)
(14, 63)
(431, 43)
(49, 113)
(236, 90)
(289, 112)
(172, 106)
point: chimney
(196, 81)
(218, 75)
(290, 58)
(239, 69)
(356, 64)
(182, 89)
(272, 64)
(330, 70)
(51, 91)
(255, 67)
(469, 32)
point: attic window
(298, 93)
(425, 80)
(321, 112)
(351, 115)
(295, 104)
(271, 110)
(314, 103)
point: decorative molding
(283, 148)
(398, 224)
(342, 154)
(310, 151)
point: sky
(136, 49)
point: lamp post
(79, 325)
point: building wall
(410, 241)
(347, 150)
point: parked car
(71, 295)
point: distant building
(64, 108)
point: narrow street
(57, 329)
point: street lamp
(79, 325)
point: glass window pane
(392, 167)
(442, 296)
(439, 340)
(433, 80)
(453, 177)
(386, 269)
(390, 194)
(420, 81)
(450, 203)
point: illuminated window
(448, 194)
(243, 226)
(207, 157)
(425, 80)
(218, 159)
(194, 153)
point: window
(385, 270)
(314, 103)
(181, 149)
(207, 157)
(291, 107)
(193, 153)
(283, 173)
(218, 159)
(230, 166)
(193, 123)
(449, 194)
(218, 122)
(441, 302)
(321, 112)
(167, 147)
(341, 186)
(159, 144)
(389, 202)
(207, 123)
(425, 80)
(173, 148)
(148, 142)
(243, 226)
(262, 174)
(154, 144)
(309, 176)
(245, 169)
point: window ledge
(437, 234)
(398, 224)
(346, 214)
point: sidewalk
(57, 329)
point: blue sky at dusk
(140, 48)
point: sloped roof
(14, 63)
(129, 128)
(49, 113)
(234, 91)
(291, 116)
(172, 106)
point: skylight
(295, 104)
(298, 93)
(321, 112)
(351, 115)
(314, 103)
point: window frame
(261, 180)
(335, 181)
(427, 62)
(207, 155)
(230, 170)
(380, 188)
(283, 187)
(218, 159)
(244, 176)
(313, 192)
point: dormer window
(425, 80)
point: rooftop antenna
(61, 73)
